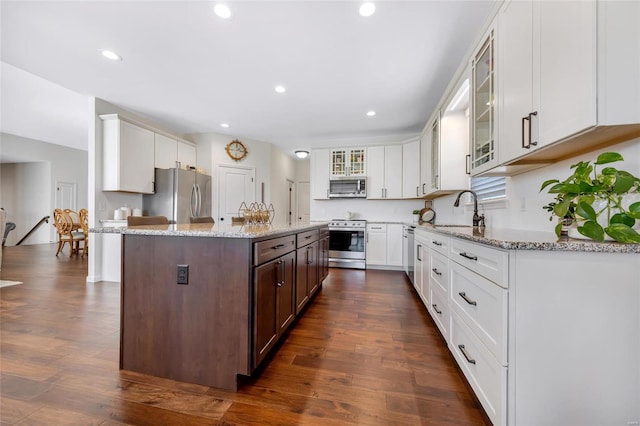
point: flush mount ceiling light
(302, 154)
(371, 113)
(367, 9)
(280, 89)
(225, 125)
(110, 55)
(222, 11)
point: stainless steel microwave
(348, 187)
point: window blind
(489, 188)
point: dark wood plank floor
(366, 352)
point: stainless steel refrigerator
(179, 195)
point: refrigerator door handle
(199, 208)
(194, 199)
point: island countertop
(216, 230)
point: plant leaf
(561, 209)
(623, 183)
(634, 210)
(558, 228)
(623, 233)
(592, 230)
(622, 218)
(547, 183)
(585, 210)
(569, 188)
(608, 157)
(609, 171)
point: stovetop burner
(344, 223)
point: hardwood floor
(365, 352)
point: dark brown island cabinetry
(239, 298)
(273, 295)
(307, 280)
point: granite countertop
(518, 239)
(208, 230)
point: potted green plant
(599, 203)
(416, 215)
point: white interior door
(235, 185)
(66, 195)
(304, 205)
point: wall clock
(236, 150)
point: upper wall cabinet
(385, 172)
(348, 162)
(170, 153)
(411, 170)
(128, 156)
(557, 86)
(319, 172)
(483, 108)
(447, 141)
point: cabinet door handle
(528, 144)
(417, 191)
(279, 246)
(436, 243)
(435, 271)
(376, 227)
(466, 355)
(466, 299)
(468, 256)
(418, 253)
(435, 308)
(467, 164)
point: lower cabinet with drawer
(542, 337)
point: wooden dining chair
(75, 218)
(84, 224)
(66, 233)
(147, 220)
(201, 219)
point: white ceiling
(189, 70)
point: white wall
(28, 189)
(523, 209)
(371, 210)
(283, 168)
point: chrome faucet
(478, 220)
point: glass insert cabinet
(483, 144)
(348, 162)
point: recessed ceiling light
(111, 55)
(222, 11)
(280, 89)
(371, 113)
(225, 125)
(367, 9)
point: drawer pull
(308, 236)
(466, 299)
(466, 355)
(436, 243)
(435, 308)
(468, 256)
(279, 246)
(280, 283)
(435, 271)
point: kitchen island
(204, 303)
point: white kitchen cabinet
(187, 155)
(566, 103)
(376, 244)
(411, 170)
(384, 171)
(483, 148)
(384, 244)
(447, 146)
(128, 156)
(425, 166)
(319, 170)
(348, 162)
(421, 264)
(166, 150)
(518, 333)
(170, 153)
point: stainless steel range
(347, 243)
